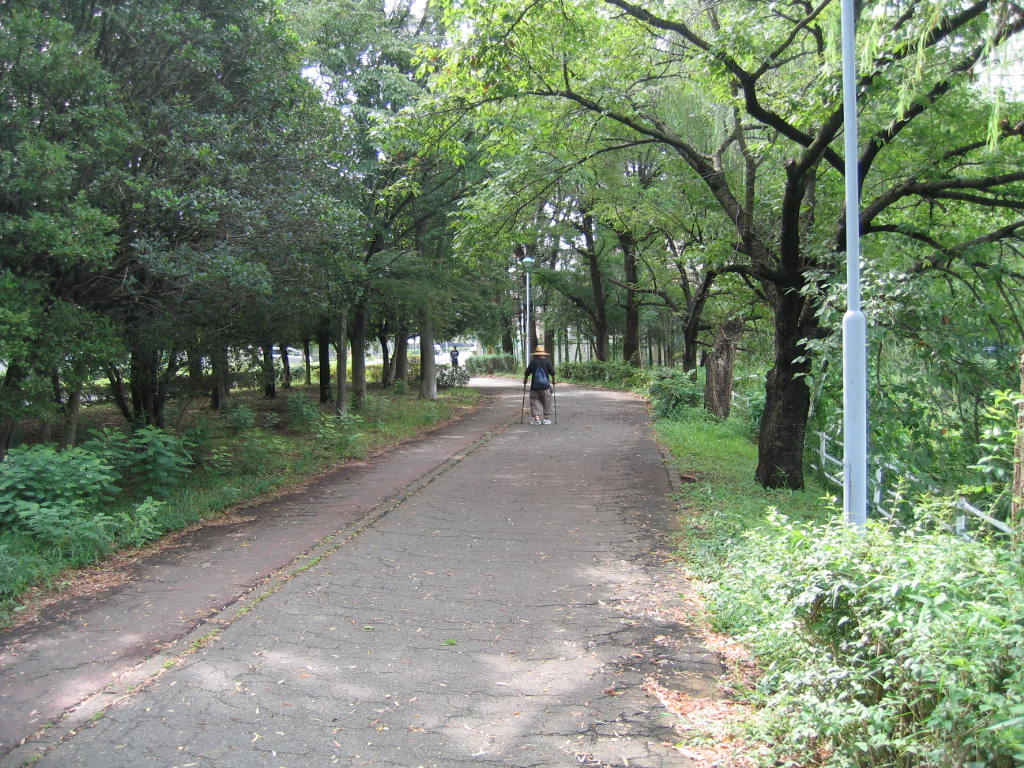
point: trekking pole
(554, 403)
(522, 408)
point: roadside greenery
(67, 509)
(889, 647)
(486, 365)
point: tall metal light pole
(527, 263)
(855, 418)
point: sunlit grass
(720, 498)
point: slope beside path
(491, 594)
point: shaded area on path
(502, 607)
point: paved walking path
(492, 595)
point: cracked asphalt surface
(498, 597)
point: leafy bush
(889, 648)
(448, 377)
(341, 431)
(240, 416)
(607, 374)
(150, 458)
(302, 411)
(160, 461)
(487, 365)
(76, 480)
(673, 391)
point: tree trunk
(323, 342)
(268, 373)
(787, 397)
(508, 343)
(400, 361)
(342, 361)
(1017, 503)
(221, 384)
(357, 338)
(428, 368)
(74, 410)
(286, 366)
(631, 335)
(10, 383)
(718, 382)
(599, 316)
(149, 386)
(386, 366)
(307, 356)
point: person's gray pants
(542, 403)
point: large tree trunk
(599, 314)
(10, 387)
(780, 442)
(387, 362)
(508, 342)
(400, 362)
(631, 334)
(1017, 503)
(286, 366)
(221, 382)
(149, 385)
(719, 378)
(268, 373)
(357, 337)
(428, 368)
(342, 361)
(74, 411)
(323, 343)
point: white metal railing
(891, 486)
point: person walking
(541, 373)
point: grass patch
(720, 499)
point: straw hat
(540, 350)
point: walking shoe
(546, 421)
(535, 421)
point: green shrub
(673, 391)
(76, 479)
(488, 365)
(150, 459)
(342, 432)
(240, 416)
(303, 413)
(882, 648)
(160, 461)
(615, 373)
(448, 377)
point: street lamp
(527, 263)
(855, 418)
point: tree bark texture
(631, 331)
(286, 366)
(719, 375)
(268, 372)
(1018, 462)
(357, 337)
(342, 398)
(787, 400)
(323, 343)
(428, 368)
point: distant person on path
(455, 357)
(542, 399)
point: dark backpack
(540, 379)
